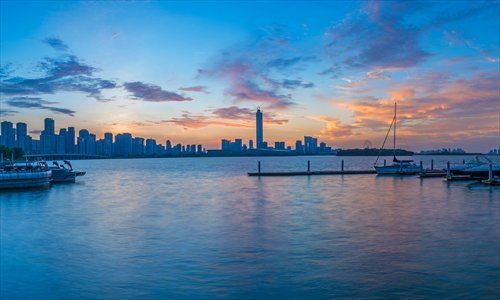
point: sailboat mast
(395, 121)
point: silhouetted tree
(7, 152)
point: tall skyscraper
(260, 130)
(49, 126)
(70, 140)
(8, 136)
(22, 133)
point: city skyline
(196, 72)
(126, 145)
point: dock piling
(432, 164)
(448, 172)
(258, 166)
(421, 166)
(308, 166)
(490, 172)
(384, 163)
(342, 166)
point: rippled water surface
(200, 228)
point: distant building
(49, 128)
(150, 146)
(279, 145)
(310, 145)
(259, 129)
(70, 140)
(299, 147)
(250, 144)
(8, 135)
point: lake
(200, 228)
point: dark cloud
(253, 69)
(377, 37)
(7, 112)
(56, 43)
(246, 115)
(293, 84)
(36, 102)
(64, 73)
(232, 116)
(198, 89)
(382, 36)
(233, 112)
(153, 93)
(286, 63)
(332, 72)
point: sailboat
(401, 167)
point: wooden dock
(461, 178)
(310, 173)
(494, 181)
(432, 174)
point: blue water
(200, 228)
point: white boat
(400, 167)
(457, 169)
(481, 171)
(62, 174)
(24, 175)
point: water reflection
(199, 228)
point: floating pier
(305, 173)
(310, 173)
(431, 174)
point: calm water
(201, 229)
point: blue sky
(196, 71)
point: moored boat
(481, 171)
(477, 162)
(399, 167)
(24, 175)
(62, 174)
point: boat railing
(28, 166)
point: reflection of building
(260, 130)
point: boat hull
(60, 175)
(481, 171)
(398, 170)
(24, 180)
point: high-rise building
(250, 144)
(150, 146)
(60, 144)
(298, 146)
(22, 134)
(70, 140)
(168, 147)
(310, 145)
(90, 144)
(279, 145)
(107, 144)
(49, 128)
(120, 146)
(8, 135)
(259, 128)
(138, 146)
(225, 144)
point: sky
(196, 71)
